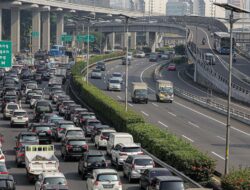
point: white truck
(139, 92)
(39, 159)
(164, 91)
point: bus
(222, 42)
(57, 50)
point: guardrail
(188, 181)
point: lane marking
(145, 113)
(222, 138)
(240, 131)
(119, 97)
(130, 105)
(221, 157)
(193, 124)
(162, 124)
(155, 104)
(172, 114)
(187, 138)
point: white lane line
(187, 138)
(119, 97)
(131, 105)
(221, 157)
(172, 114)
(162, 124)
(155, 104)
(145, 113)
(190, 123)
(221, 138)
(240, 131)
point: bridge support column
(124, 40)
(59, 27)
(147, 38)
(112, 40)
(105, 47)
(1, 24)
(46, 30)
(15, 29)
(133, 40)
(36, 30)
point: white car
(130, 56)
(103, 179)
(2, 156)
(114, 84)
(140, 54)
(122, 150)
(19, 117)
(117, 76)
(96, 74)
(9, 109)
(50, 178)
(34, 98)
(102, 137)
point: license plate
(42, 134)
(76, 149)
(108, 186)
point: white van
(116, 138)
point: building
(155, 7)
(237, 3)
(199, 7)
(138, 5)
(179, 7)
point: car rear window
(20, 114)
(107, 177)
(12, 107)
(76, 132)
(29, 137)
(77, 142)
(55, 180)
(131, 149)
(66, 126)
(172, 185)
(96, 158)
(143, 162)
(160, 173)
(42, 128)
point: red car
(171, 67)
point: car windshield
(141, 92)
(117, 75)
(77, 142)
(11, 93)
(160, 173)
(107, 177)
(42, 128)
(131, 149)
(38, 92)
(115, 81)
(29, 138)
(171, 185)
(89, 116)
(96, 70)
(37, 97)
(55, 180)
(166, 89)
(172, 65)
(143, 162)
(94, 123)
(76, 132)
(12, 107)
(19, 114)
(31, 86)
(45, 108)
(106, 134)
(96, 158)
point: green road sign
(91, 38)
(5, 54)
(80, 38)
(66, 38)
(35, 34)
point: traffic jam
(34, 101)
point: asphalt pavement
(203, 128)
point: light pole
(232, 9)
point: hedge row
(236, 180)
(162, 144)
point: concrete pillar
(46, 30)
(147, 38)
(1, 24)
(124, 40)
(15, 29)
(105, 48)
(36, 30)
(133, 40)
(59, 27)
(112, 40)
(157, 38)
(153, 40)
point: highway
(203, 128)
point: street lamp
(232, 9)
(126, 69)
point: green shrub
(236, 180)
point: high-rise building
(237, 3)
(155, 7)
(179, 7)
(138, 5)
(199, 7)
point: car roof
(108, 130)
(27, 133)
(20, 110)
(53, 174)
(169, 178)
(94, 152)
(12, 103)
(103, 171)
(129, 145)
(65, 122)
(121, 134)
(140, 156)
(74, 128)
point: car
(101, 65)
(95, 130)
(82, 117)
(117, 76)
(42, 107)
(102, 137)
(55, 187)
(25, 138)
(165, 56)
(20, 118)
(55, 95)
(106, 178)
(153, 57)
(89, 161)
(72, 132)
(60, 126)
(50, 178)
(167, 182)
(9, 99)
(75, 112)
(70, 109)
(63, 106)
(7, 182)
(122, 150)
(20, 155)
(124, 60)
(96, 74)
(9, 109)
(43, 132)
(130, 55)
(38, 77)
(89, 124)
(114, 84)
(149, 174)
(33, 99)
(29, 95)
(73, 148)
(140, 54)
(29, 87)
(134, 165)
(60, 99)
(171, 67)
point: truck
(61, 72)
(139, 92)
(39, 159)
(164, 91)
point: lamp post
(232, 9)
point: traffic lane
(214, 141)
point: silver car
(96, 74)
(114, 84)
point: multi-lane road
(203, 128)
